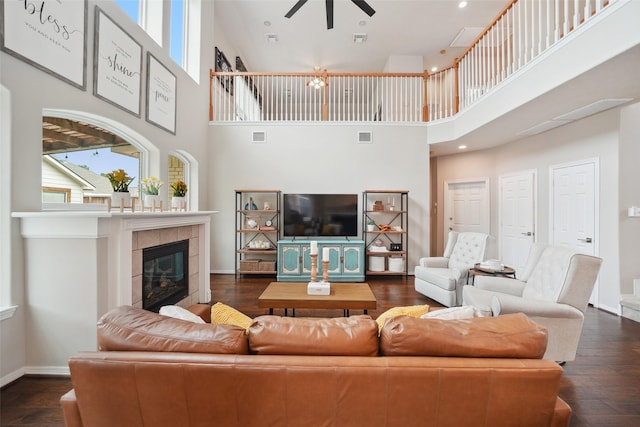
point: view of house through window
(76, 158)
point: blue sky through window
(177, 31)
(132, 7)
(103, 162)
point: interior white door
(516, 213)
(466, 206)
(574, 208)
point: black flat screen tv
(316, 215)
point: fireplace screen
(165, 279)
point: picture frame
(223, 65)
(117, 65)
(161, 95)
(57, 46)
(240, 67)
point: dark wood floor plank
(602, 385)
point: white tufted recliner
(553, 290)
(442, 278)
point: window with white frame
(179, 35)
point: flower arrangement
(119, 180)
(151, 185)
(179, 189)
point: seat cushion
(509, 335)
(445, 278)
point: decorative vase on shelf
(250, 205)
(121, 198)
(178, 202)
(152, 200)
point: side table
(477, 270)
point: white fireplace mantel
(79, 266)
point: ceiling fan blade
(329, 14)
(295, 8)
(362, 4)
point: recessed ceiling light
(462, 147)
(362, 23)
(434, 69)
(267, 23)
(462, 4)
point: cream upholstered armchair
(442, 278)
(553, 290)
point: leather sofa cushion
(510, 335)
(129, 328)
(341, 336)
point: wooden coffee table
(345, 296)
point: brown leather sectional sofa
(152, 370)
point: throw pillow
(412, 310)
(226, 315)
(452, 313)
(178, 312)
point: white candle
(314, 247)
(325, 254)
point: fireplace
(165, 277)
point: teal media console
(346, 260)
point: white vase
(179, 202)
(152, 201)
(120, 198)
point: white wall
(629, 193)
(317, 158)
(594, 137)
(33, 90)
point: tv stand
(346, 259)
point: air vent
(365, 137)
(259, 137)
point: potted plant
(150, 188)
(371, 225)
(120, 181)
(178, 200)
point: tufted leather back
(468, 250)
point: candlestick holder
(314, 267)
(325, 271)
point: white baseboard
(10, 377)
(62, 371)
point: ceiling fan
(362, 4)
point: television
(316, 215)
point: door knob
(586, 240)
(528, 233)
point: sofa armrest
(507, 304)
(70, 409)
(503, 285)
(434, 262)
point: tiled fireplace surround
(141, 240)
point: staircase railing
(521, 32)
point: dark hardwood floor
(602, 385)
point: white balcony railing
(522, 31)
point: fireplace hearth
(165, 279)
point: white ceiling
(399, 27)
(407, 27)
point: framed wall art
(117, 65)
(161, 95)
(223, 65)
(51, 36)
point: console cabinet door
(353, 259)
(290, 257)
